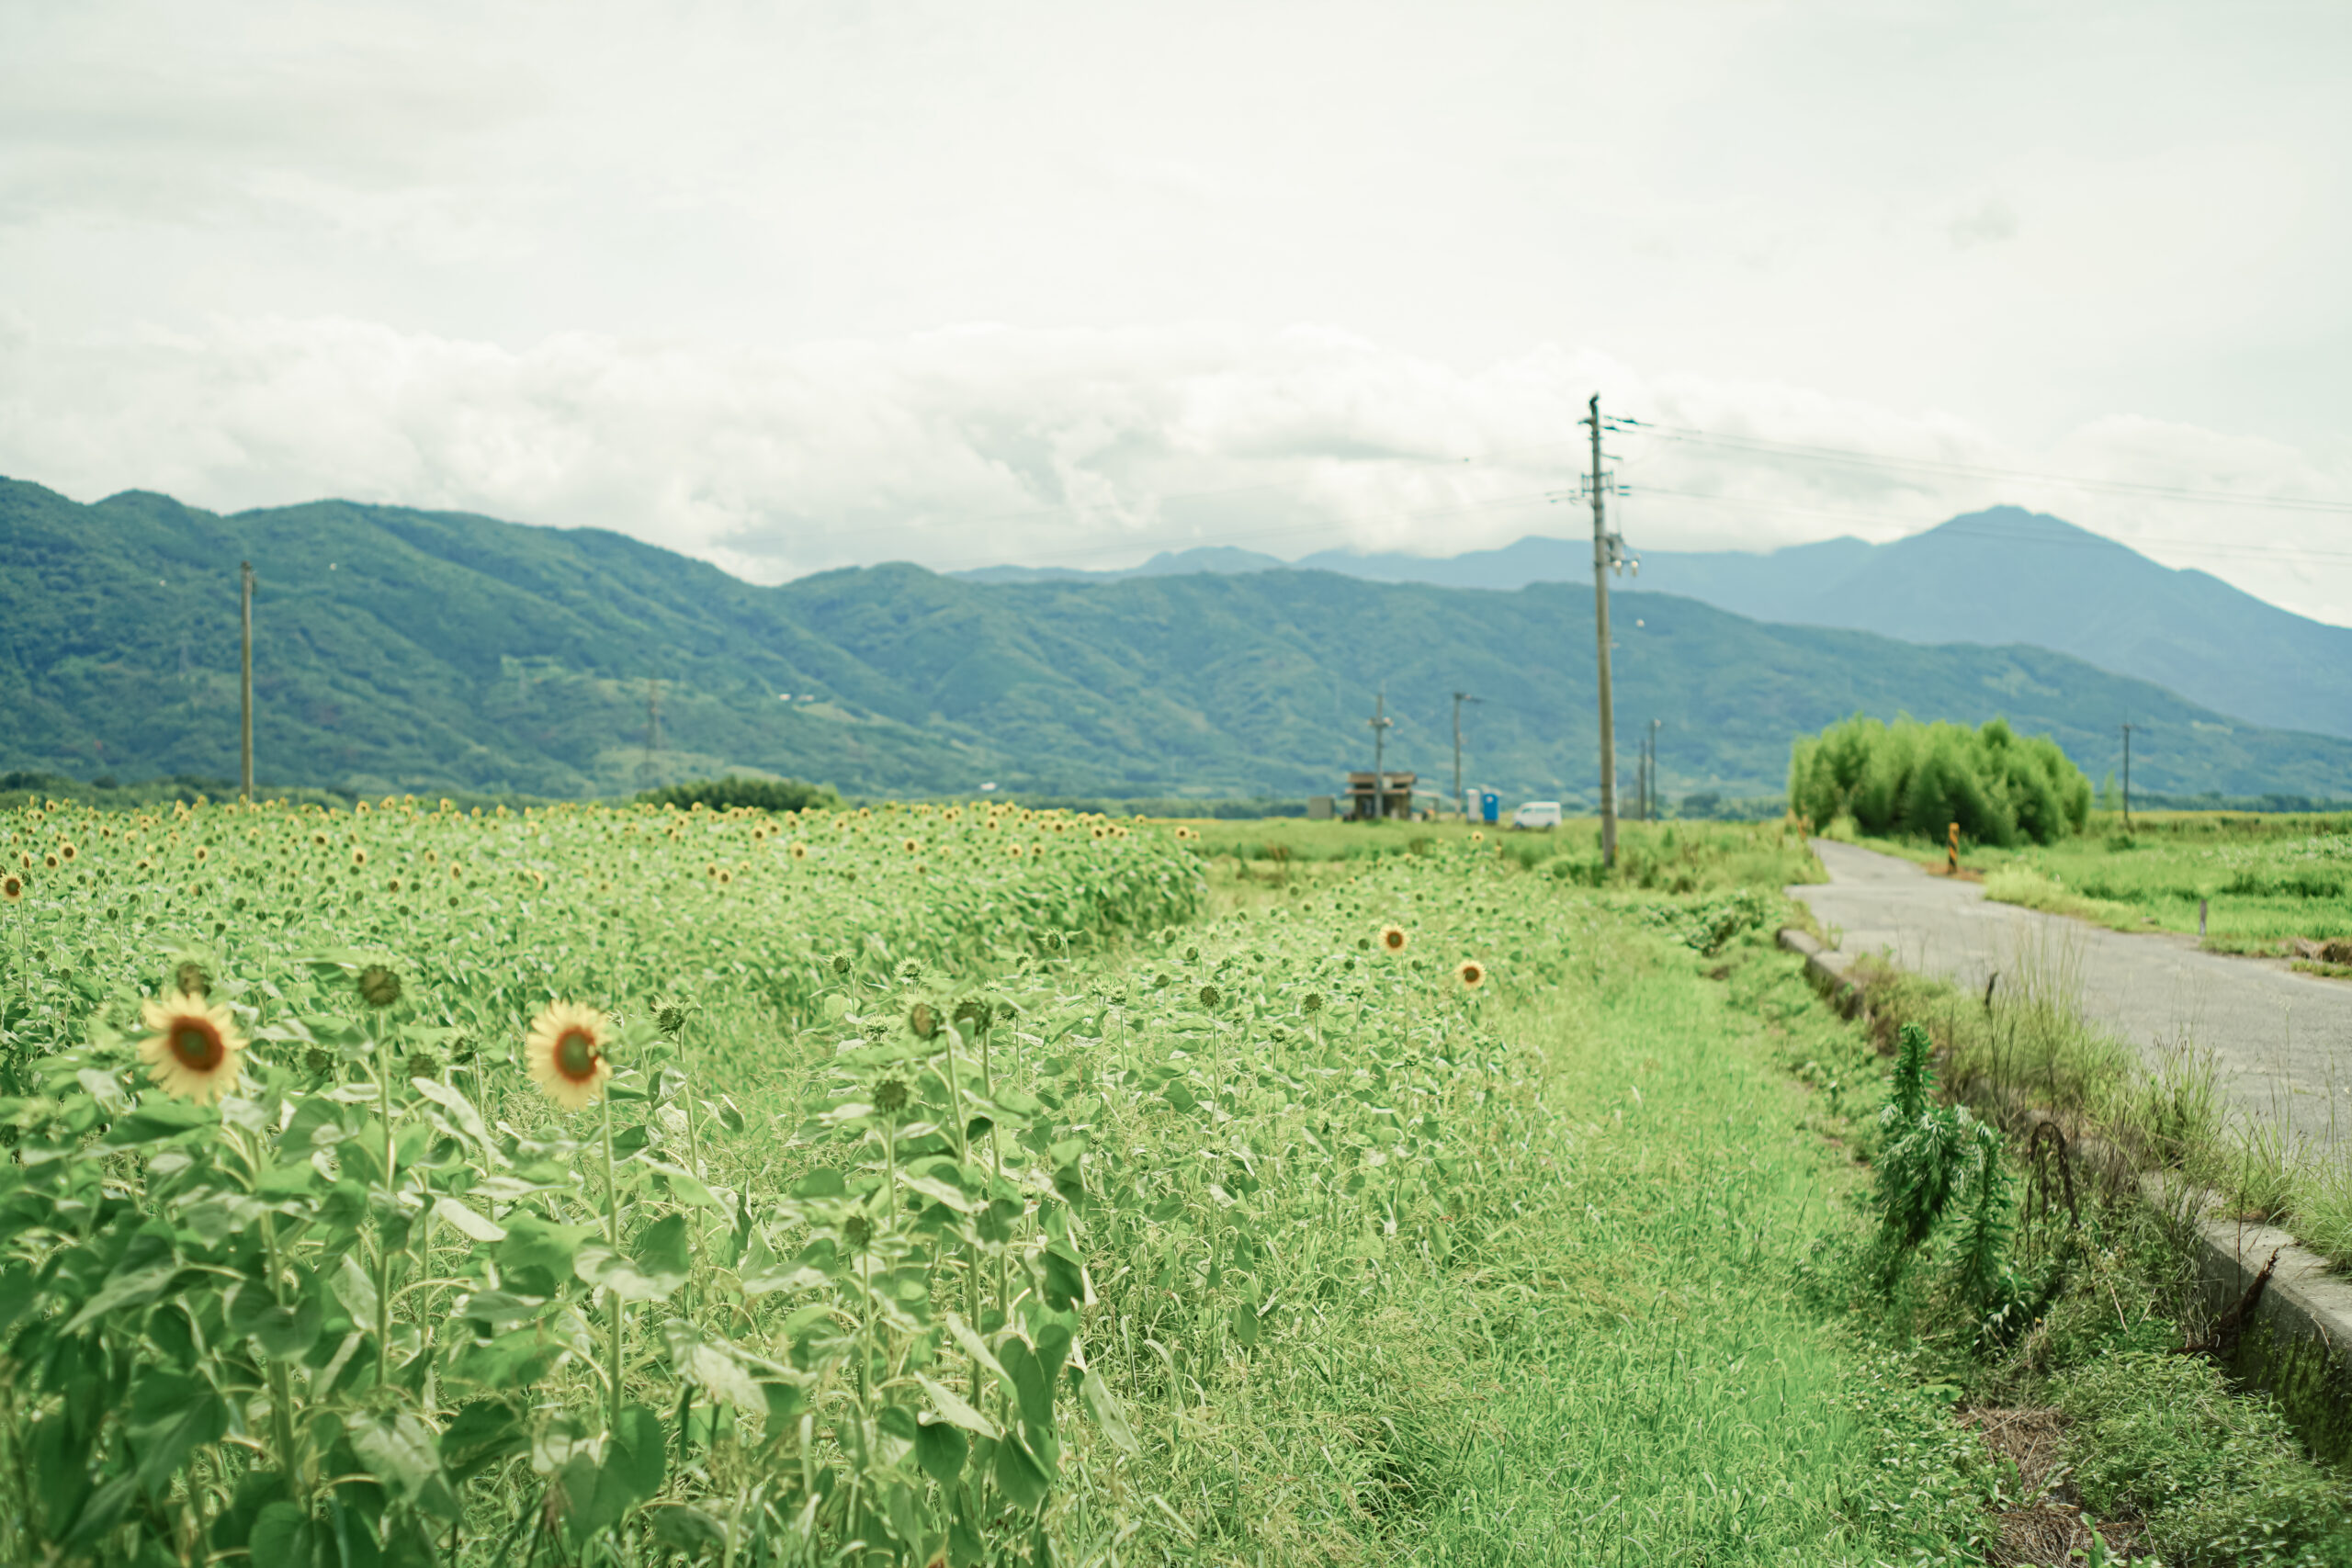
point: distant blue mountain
(2003, 576)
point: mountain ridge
(400, 649)
(1999, 576)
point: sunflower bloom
(1471, 972)
(12, 887)
(799, 851)
(1392, 939)
(565, 1052)
(193, 1049)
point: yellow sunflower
(1471, 972)
(193, 1050)
(1392, 939)
(66, 851)
(799, 851)
(565, 1052)
(12, 887)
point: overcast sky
(800, 286)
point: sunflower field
(912, 1186)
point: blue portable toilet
(1490, 806)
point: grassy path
(1663, 1396)
(1613, 1365)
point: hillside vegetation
(430, 652)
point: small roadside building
(1371, 796)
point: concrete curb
(2297, 1342)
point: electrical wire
(1759, 446)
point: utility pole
(245, 718)
(1649, 773)
(2127, 775)
(1381, 724)
(1460, 797)
(1608, 555)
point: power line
(1943, 467)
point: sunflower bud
(1209, 998)
(975, 1012)
(922, 1019)
(379, 986)
(316, 1060)
(840, 964)
(890, 1096)
(670, 1019)
(1311, 1004)
(420, 1064)
(191, 980)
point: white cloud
(1092, 447)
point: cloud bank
(1088, 447)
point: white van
(1544, 814)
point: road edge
(2294, 1338)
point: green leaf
(157, 1119)
(688, 1529)
(533, 1243)
(1065, 1283)
(1030, 1383)
(170, 1416)
(941, 1450)
(976, 1347)
(485, 1431)
(953, 1407)
(717, 1368)
(638, 1455)
(599, 1265)
(466, 1222)
(281, 1538)
(683, 1185)
(399, 1451)
(1108, 1413)
(663, 1247)
(1018, 1476)
(132, 1288)
(355, 1290)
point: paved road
(2281, 1042)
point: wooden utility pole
(1649, 773)
(1608, 555)
(1381, 724)
(2127, 775)
(1460, 797)
(245, 718)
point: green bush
(2219, 1479)
(1915, 778)
(760, 794)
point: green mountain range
(415, 650)
(1998, 576)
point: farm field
(940, 1184)
(2265, 878)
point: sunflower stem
(384, 1226)
(613, 1236)
(281, 1390)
